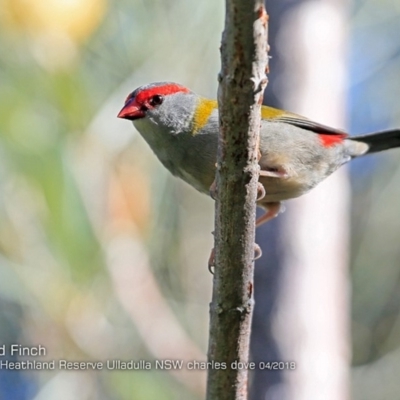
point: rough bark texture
(242, 82)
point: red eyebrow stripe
(331, 140)
(162, 90)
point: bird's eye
(156, 100)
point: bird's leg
(272, 211)
(274, 173)
(270, 173)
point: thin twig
(242, 82)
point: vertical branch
(242, 82)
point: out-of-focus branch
(242, 82)
(314, 296)
(154, 320)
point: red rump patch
(164, 90)
(329, 140)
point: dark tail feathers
(380, 140)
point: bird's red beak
(131, 110)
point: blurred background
(103, 254)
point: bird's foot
(260, 191)
(213, 190)
(257, 252)
(211, 259)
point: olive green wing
(275, 115)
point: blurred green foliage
(75, 181)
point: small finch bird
(182, 127)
